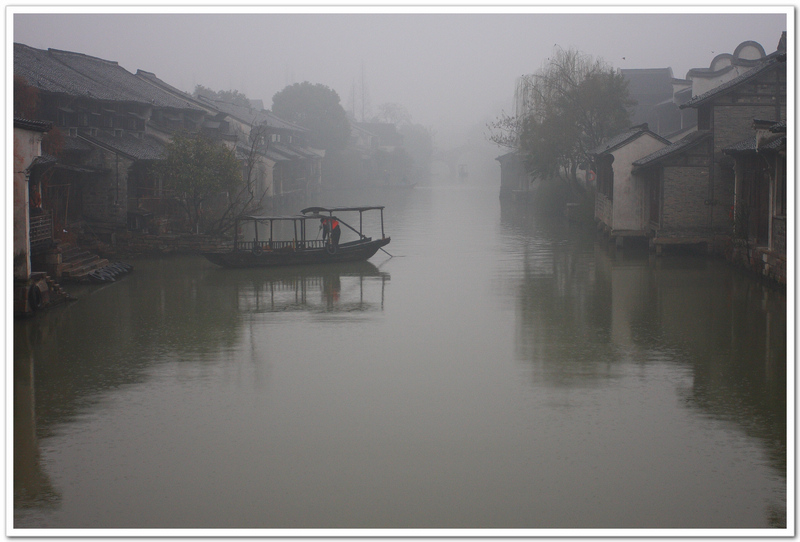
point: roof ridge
(75, 53)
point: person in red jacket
(330, 226)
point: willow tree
(562, 112)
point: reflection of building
(581, 314)
(32, 486)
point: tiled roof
(148, 148)
(74, 143)
(673, 148)
(623, 138)
(778, 127)
(751, 145)
(76, 74)
(255, 117)
(746, 145)
(289, 152)
(281, 153)
(43, 160)
(33, 125)
(275, 156)
(151, 78)
(770, 62)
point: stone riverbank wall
(124, 245)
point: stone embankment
(134, 245)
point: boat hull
(347, 252)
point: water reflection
(587, 313)
(521, 376)
(32, 485)
(341, 288)
(174, 310)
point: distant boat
(299, 250)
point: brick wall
(733, 123)
(684, 213)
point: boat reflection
(334, 288)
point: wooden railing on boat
(279, 245)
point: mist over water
(502, 370)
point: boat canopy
(264, 217)
(318, 210)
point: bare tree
(249, 197)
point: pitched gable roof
(147, 148)
(151, 78)
(624, 138)
(770, 63)
(44, 72)
(679, 146)
(32, 125)
(759, 142)
(76, 74)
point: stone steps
(82, 266)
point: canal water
(503, 370)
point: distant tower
(364, 93)
(353, 99)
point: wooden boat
(300, 249)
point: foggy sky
(450, 70)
